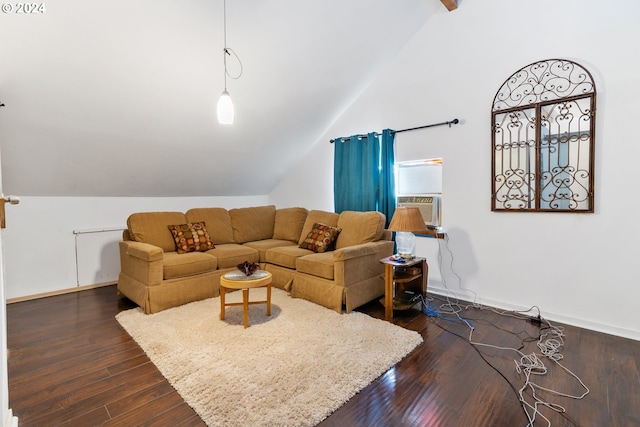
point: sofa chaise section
(348, 276)
(355, 277)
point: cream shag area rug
(293, 368)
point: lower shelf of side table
(400, 305)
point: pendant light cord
(228, 51)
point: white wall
(39, 244)
(578, 268)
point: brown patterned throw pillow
(191, 237)
(321, 238)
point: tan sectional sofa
(156, 277)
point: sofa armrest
(355, 251)
(356, 263)
(142, 262)
(143, 251)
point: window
(419, 177)
(419, 184)
(543, 128)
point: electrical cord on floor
(549, 343)
(528, 369)
(528, 338)
(431, 311)
(515, 390)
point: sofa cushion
(191, 237)
(232, 254)
(359, 227)
(320, 265)
(263, 245)
(323, 217)
(321, 238)
(285, 256)
(217, 221)
(250, 224)
(151, 227)
(288, 224)
(176, 265)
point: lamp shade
(225, 109)
(407, 219)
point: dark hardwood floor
(71, 364)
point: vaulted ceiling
(117, 98)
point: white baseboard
(9, 419)
(58, 292)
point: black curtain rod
(451, 122)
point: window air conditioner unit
(429, 207)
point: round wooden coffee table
(239, 280)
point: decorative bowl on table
(248, 268)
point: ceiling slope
(118, 98)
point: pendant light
(225, 108)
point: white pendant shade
(225, 109)
(225, 104)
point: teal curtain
(364, 178)
(356, 173)
(387, 188)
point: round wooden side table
(239, 280)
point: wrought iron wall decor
(543, 136)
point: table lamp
(406, 221)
